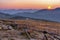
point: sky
(29, 4)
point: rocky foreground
(29, 30)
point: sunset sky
(29, 4)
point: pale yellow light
(49, 7)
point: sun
(49, 7)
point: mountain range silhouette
(52, 15)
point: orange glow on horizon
(29, 4)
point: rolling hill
(52, 15)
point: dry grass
(40, 25)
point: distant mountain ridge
(4, 15)
(46, 14)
